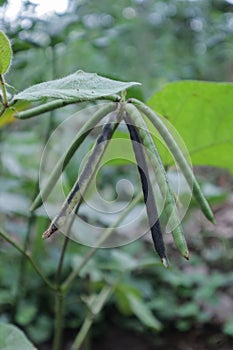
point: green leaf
(5, 53)
(123, 293)
(77, 86)
(26, 314)
(41, 330)
(143, 312)
(202, 112)
(8, 116)
(228, 327)
(12, 338)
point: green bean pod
(64, 160)
(52, 105)
(148, 194)
(80, 187)
(179, 156)
(169, 206)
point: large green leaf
(12, 338)
(5, 53)
(202, 112)
(77, 86)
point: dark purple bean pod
(80, 187)
(152, 213)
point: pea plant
(117, 110)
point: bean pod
(64, 160)
(178, 155)
(149, 199)
(167, 194)
(79, 189)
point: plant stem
(107, 233)
(59, 317)
(2, 110)
(27, 255)
(4, 94)
(46, 107)
(21, 277)
(95, 309)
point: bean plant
(116, 111)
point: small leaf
(122, 293)
(40, 331)
(77, 86)
(143, 313)
(8, 116)
(12, 338)
(228, 327)
(26, 314)
(5, 53)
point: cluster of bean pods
(131, 112)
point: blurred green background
(190, 305)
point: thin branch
(58, 324)
(107, 233)
(27, 255)
(95, 309)
(2, 110)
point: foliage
(12, 338)
(143, 295)
(5, 53)
(202, 113)
(79, 86)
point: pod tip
(49, 231)
(186, 255)
(213, 220)
(32, 208)
(165, 262)
(35, 205)
(210, 215)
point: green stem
(59, 318)
(95, 309)
(2, 110)
(107, 233)
(4, 94)
(82, 333)
(31, 218)
(27, 255)
(21, 277)
(47, 107)
(60, 293)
